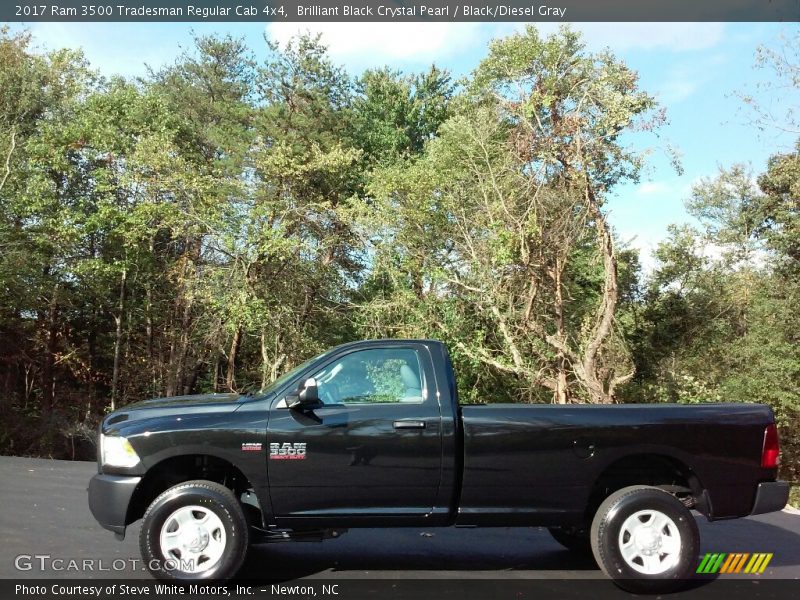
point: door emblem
(287, 451)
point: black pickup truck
(371, 434)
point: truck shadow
(410, 549)
(763, 533)
(452, 553)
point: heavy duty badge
(287, 451)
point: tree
(780, 207)
(395, 115)
(38, 93)
(212, 90)
(518, 178)
(719, 321)
(772, 106)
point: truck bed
(542, 463)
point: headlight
(116, 451)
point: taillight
(771, 450)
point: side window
(380, 375)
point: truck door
(374, 448)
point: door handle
(409, 424)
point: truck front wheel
(194, 530)
(645, 539)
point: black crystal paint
(435, 462)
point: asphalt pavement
(44, 512)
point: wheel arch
(178, 469)
(656, 469)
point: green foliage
(780, 207)
(394, 115)
(385, 379)
(211, 225)
(719, 322)
(493, 235)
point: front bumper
(109, 497)
(770, 496)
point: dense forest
(210, 225)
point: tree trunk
(48, 368)
(270, 367)
(171, 371)
(118, 338)
(561, 394)
(230, 375)
(148, 332)
(264, 359)
(11, 146)
(179, 345)
(216, 371)
(91, 343)
(190, 382)
(148, 326)
(604, 319)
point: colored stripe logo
(719, 562)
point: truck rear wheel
(645, 539)
(194, 530)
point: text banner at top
(399, 10)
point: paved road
(43, 510)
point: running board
(268, 536)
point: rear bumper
(770, 496)
(109, 497)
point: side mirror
(306, 396)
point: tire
(645, 539)
(194, 531)
(573, 539)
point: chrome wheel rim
(193, 538)
(650, 542)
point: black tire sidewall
(222, 503)
(606, 530)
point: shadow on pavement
(458, 550)
(458, 553)
(753, 535)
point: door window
(376, 376)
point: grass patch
(794, 496)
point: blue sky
(694, 69)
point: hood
(189, 401)
(172, 406)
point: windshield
(271, 387)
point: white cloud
(641, 214)
(677, 89)
(677, 37)
(621, 37)
(377, 43)
(361, 45)
(683, 80)
(126, 47)
(652, 188)
(109, 47)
